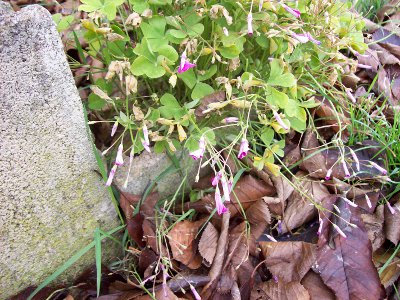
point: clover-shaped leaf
(105, 7)
(278, 78)
(199, 88)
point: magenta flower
(119, 160)
(185, 63)
(225, 188)
(339, 230)
(321, 223)
(195, 293)
(368, 201)
(111, 175)
(350, 95)
(345, 169)
(146, 142)
(271, 238)
(305, 38)
(328, 174)
(293, 11)
(250, 24)
(279, 120)
(114, 128)
(216, 178)
(218, 202)
(230, 120)
(199, 152)
(391, 209)
(244, 148)
(355, 158)
(378, 167)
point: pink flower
(195, 293)
(391, 209)
(216, 178)
(349, 202)
(345, 169)
(368, 201)
(114, 128)
(119, 160)
(321, 223)
(250, 24)
(230, 120)
(355, 158)
(225, 31)
(328, 174)
(260, 5)
(378, 167)
(271, 238)
(146, 142)
(293, 11)
(364, 66)
(304, 38)
(244, 148)
(279, 120)
(185, 64)
(218, 202)
(339, 230)
(199, 152)
(225, 188)
(350, 95)
(111, 175)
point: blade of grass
(97, 251)
(69, 263)
(389, 260)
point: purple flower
(355, 158)
(350, 95)
(328, 174)
(225, 31)
(279, 120)
(146, 142)
(199, 152)
(339, 230)
(230, 120)
(114, 128)
(304, 38)
(321, 223)
(119, 160)
(225, 188)
(391, 209)
(111, 175)
(185, 63)
(195, 293)
(218, 202)
(216, 178)
(250, 24)
(345, 169)
(260, 5)
(378, 167)
(244, 148)
(293, 11)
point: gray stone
(51, 198)
(149, 167)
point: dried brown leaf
(259, 213)
(345, 264)
(374, 225)
(316, 287)
(208, 243)
(392, 221)
(392, 272)
(182, 241)
(331, 117)
(205, 101)
(288, 261)
(279, 291)
(299, 209)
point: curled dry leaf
(331, 117)
(392, 221)
(374, 225)
(208, 243)
(279, 291)
(317, 289)
(345, 264)
(300, 208)
(288, 261)
(392, 272)
(182, 241)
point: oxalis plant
(215, 76)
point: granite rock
(51, 198)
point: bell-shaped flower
(293, 11)
(305, 38)
(218, 202)
(119, 160)
(328, 174)
(114, 128)
(216, 179)
(244, 148)
(199, 152)
(226, 189)
(185, 63)
(378, 167)
(111, 175)
(250, 24)
(280, 121)
(146, 142)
